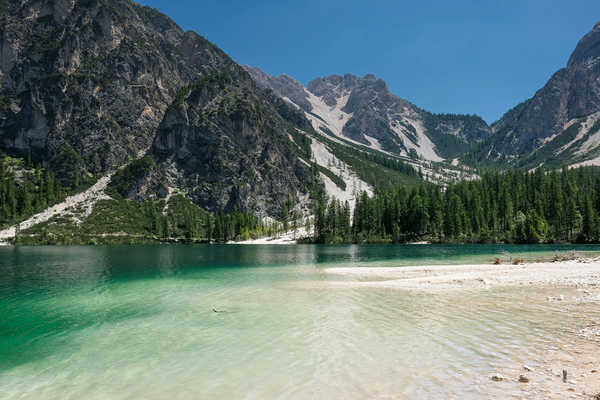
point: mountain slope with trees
(204, 149)
(366, 112)
(508, 207)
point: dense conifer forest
(501, 207)
(27, 188)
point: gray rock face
(376, 113)
(396, 123)
(226, 143)
(333, 87)
(571, 93)
(114, 80)
(96, 75)
(283, 86)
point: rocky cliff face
(283, 85)
(226, 143)
(364, 111)
(114, 80)
(97, 75)
(557, 122)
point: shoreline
(565, 285)
(580, 272)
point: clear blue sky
(459, 56)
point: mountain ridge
(105, 81)
(364, 111)
(534, 132)
(87, 88)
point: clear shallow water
(137, 322)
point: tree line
(183, 219)
(27, 187)
(501, 207)
(27, 191)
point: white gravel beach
(578, 272)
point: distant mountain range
(364, 111)
(116, 81)
(558, 126)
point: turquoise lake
(137, 322)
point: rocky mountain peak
(333, 87)
(283, 85)
(588, 48)
(370, 77)
(364, 110)
(558, 123)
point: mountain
(285, 86)
(226, 143)
(364, 111)
(96, 91)
(95, 75)
(106, 82)
(560, 124)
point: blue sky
(460, 56)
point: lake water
(137, 322)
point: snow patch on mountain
(289, 101)
(334, 119)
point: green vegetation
(447, 145)
(127, 221)
(4, 5)
(68, 166)
(549, 154)
(303, 143)
(26, 190)
(546, 154)
(373, 167)
(4, 103)
(339, 182)
(126, 178)
(213, 79)
(510, 207)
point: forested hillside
(507, 207)
(26, 188)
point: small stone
(523, 379)
(594, 371)
(571, 389)
(527, 368)
(572, 382)
(497, 378)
